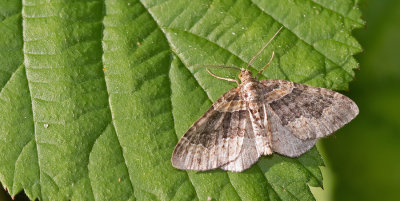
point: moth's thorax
(251, 90)
(250, 87)
(246, 76)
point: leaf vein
(341, 14)
(219, 46)
(9, 78)
(268, 182)
(31, 101)
(262, 10)
(108, 101)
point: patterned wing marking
(212, 141)
(283, 140)
(311, 112)
(276, 89)
(232, 106)
(248, 154)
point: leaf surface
(95, 94)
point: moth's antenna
(222, 78)
(217, 66)
(270, 61)
(259, 52)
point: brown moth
(259, 118)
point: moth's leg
(270, 61)
(222, 78)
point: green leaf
(95, 94)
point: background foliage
(357, 169)
(364, 156)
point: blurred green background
(364, 157)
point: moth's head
(245, 75)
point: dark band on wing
(297, 104)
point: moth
(259, 118)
